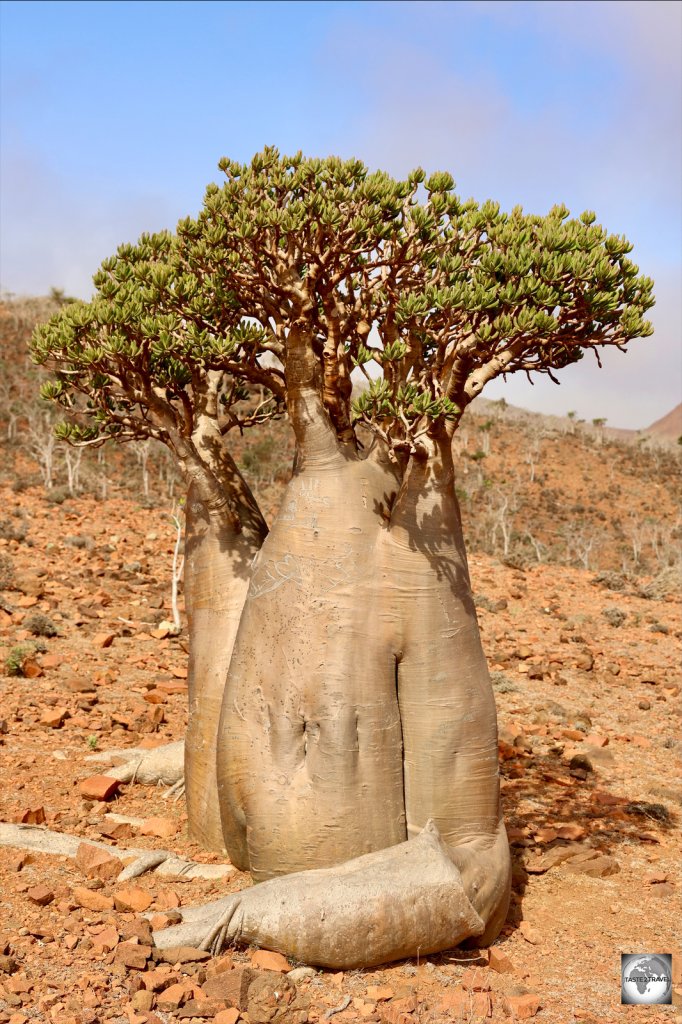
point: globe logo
(646, 978)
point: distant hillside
(669, 427)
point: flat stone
(98, 787)
(522, 1007)
(132, 955)
(201, 1008)
(172, 997)
(183, 955)
(163, 828)
(595, 867)
(230, 1016)
(103, 639)
(476, 1004)
(499, 962)
(33, 816)
(54, 718)
(90, 900)
(41, 895)
(270, 961)
(231, 986)
(97, 863)
(132, 898)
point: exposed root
(164, 765)
(162, 862)
(176, 791)
(404, 901)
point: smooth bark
(358, 703)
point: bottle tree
(357, 711)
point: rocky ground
(587, 683)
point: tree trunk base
(405, 901)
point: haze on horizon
(113, 116)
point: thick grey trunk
(358, 703)
(224, 531)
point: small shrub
(22, 483)
(57, 495)
(41, 625)
(619, 582)
(660, 627)
(92, 742)
(502, 683)
(6, 572)
(666, 583)
(614, 616)
(13, 530)
(80, 541)
(18, 656)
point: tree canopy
(298, 270)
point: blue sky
(113, 116)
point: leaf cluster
(351, 267)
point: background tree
(357, 706)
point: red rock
(656, 878)
(164, 828)
(270, 961)
(116, 830)
(171, 998)
(398, 1011)
(106, 940)
(573, 734)
(230, 1016)
(54, 718)
(171, 688)
(475, 980)
(231, 986)
(594, 867)
(142, 1001)
(180, 672)
(80, 685)
(379, 992)
(545, 835)
(51, 660)
(98, 787)
(90, 900)
(167, 899)
(155, 697)
(570, 831)
(97, 863)
(522, 1007)
(40, 894)
(596, 739)
(31, 669)
(132, 955)
(530, 933)
(183, 955)
(604, 799)
(103, 639)
(17, 861)
(132, 898)
(663, 890)
(499, 962)
(201, 1008)
(468, 1005)
(33, 816)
